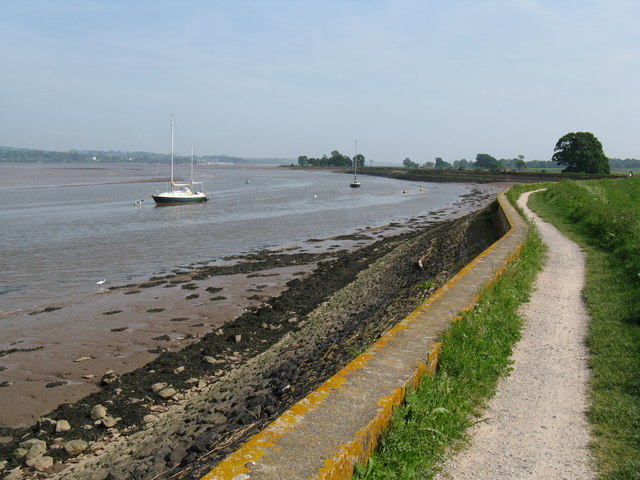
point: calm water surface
(64, 227)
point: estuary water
(64, 227)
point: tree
(461, 164)
(409, 164)
(359, 160)
(581, 152)
(484, 160)
(303, 161)
(339, 160)
(440, 163)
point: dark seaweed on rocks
(269, 357)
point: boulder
(108, 422)
(156, 387)
(15, 474)
(20, 452)
(98, 412)
(40, 463)
(62, 426)
(34, 447)
(167, 392)
(75, 447)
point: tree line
(26, 155)
(336, 159)
(578, 152)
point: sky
(414, 79)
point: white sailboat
(355, 183)
(180, 193)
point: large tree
(408, 163)
(484, 160)
(581, 152)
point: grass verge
(604, 218)
(475, 353)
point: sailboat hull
(175, 198)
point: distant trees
(358, 160)
(407, 163)
(484, 160)
(581, 152)
(440, 163)
(461, 164)
(335, 160)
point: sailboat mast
(192, 164)
(355, 155)
(171, 149)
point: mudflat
(189, 364)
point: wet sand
(58, 354)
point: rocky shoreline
(180, 414)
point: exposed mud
(184, 411)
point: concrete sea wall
(338, 425)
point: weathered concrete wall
(324, 435)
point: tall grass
(604, 217)
(475, 352)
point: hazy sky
(283, 78)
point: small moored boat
(180, 193)
(355, 183)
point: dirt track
(535, 426)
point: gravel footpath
(535, 426)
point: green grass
(475, 353)
(603, 216)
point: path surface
(535, 427)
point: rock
(99, 445)
(75, 447)
(3, 464)
(108, 422)
(109, 377)
(40, 463)
(31, 442)
(34, 447)
(15, 474)
(20, 452)
(238, 338)
(149, 418)
(167, 392)
(57, 443)
(209, 359)
(45, 423)
(219, 332)
(156, 387)
(98, 412)
(82, 359)
(62, 426)
(179, 370)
